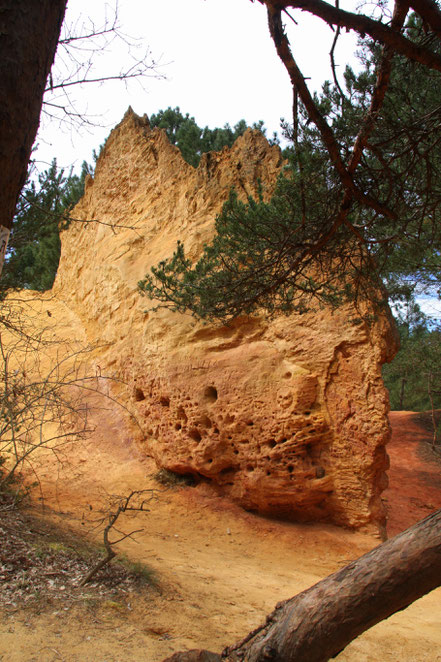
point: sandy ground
(219, 569)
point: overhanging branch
(364, 25)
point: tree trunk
(320, 622)
(403, 384)
(432, 406)
(29, 33)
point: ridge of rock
(287, 417)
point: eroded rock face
(288, 417)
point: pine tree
(332, 231)
(192, 140)
(413, 379)
(34, 245)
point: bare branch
(118, 506)
(70, 219)
(78, 63)
(345, 175)
(430, 14)
(331, 55)
(365, 25)
(381, 85)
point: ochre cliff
(289, 416)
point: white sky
(219, 61)
(220, 66)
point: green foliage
(314, 240)
(34, 244)
(192, 140)
(227, 282)
(407, 142)
(401, 167)
(413, 379)
(172, 479)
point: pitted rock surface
(287, 416)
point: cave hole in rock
(138, 394)
(210, 460)
(178, 426)
(195, 434)
(205, 421)
(290, 468)
(210, 394)
(236, 452)
(216, 431)
(250, 423)
(164, 401)
(283, 441)
(227, 470)
(272, 443)
(180, 413)
(250, 468)
(268, 473)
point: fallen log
(317, 624)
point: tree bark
(29, 33)
(320, 622)
(403, 386)
(364, 25)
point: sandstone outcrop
(289, 416)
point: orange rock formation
(289, 416)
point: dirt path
(415, 474)
(220, 570)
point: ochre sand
(220, 569)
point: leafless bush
(136, 501)
(82, 59)
(45, 389)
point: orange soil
(220, 569)
(415, 474)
